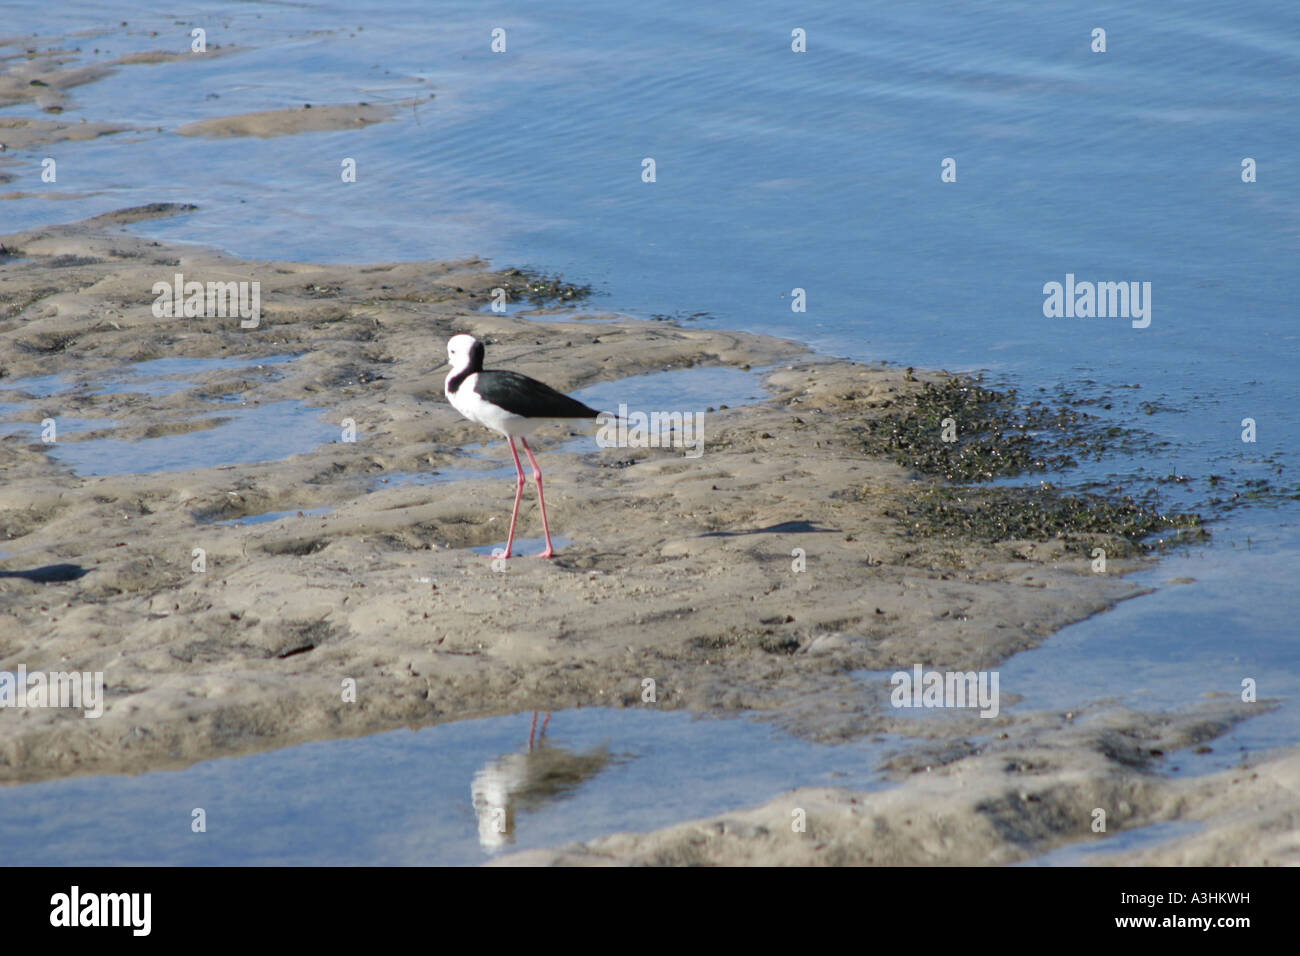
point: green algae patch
(963, 433)
(540, 289)
(960, 430)
(1121, 525)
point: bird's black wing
(526, 396)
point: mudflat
(763, 575)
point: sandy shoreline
(1038, 790)
(680, 569)
(716, 619)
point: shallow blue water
(405, 798)
(1094, 851)
(154, 377)
(523, 547)
(684, 390)
(268, 431)
(1184, 643)
(268, 516)
(63, 425)
(778, 170)
(244, 433)
(818, 171)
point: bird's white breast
(466, 400)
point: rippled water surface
(817, 171)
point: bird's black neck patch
(474, 365)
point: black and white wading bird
(512, 404)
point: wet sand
(305, 119)
(45, 76)
(1037, 787)
(760, 578)
(681, 570)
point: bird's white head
(464, 351)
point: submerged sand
(289, 122)
(758, 577)
(682, 571)
(1058, 781)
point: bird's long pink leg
(519, 493)
(541, 500)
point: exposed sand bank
(288, 122)
(44, 76)
(681, 570)
(1040, 788)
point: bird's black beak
(442, 364)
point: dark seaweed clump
(765, 639)
(48, 343)
(1121, 525)
(18, 306)
(542, 289)
(996, 436)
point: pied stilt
(512, 404)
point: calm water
(432, 796)
(819, 171)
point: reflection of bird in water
(526, 781)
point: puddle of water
(426, 797)
(546, 312)
(404, 479)
(684, 390)
(155, 377)
(63, 425)
(38, 386)
(250, 433)
(1139, 838)
(1172, 648)
(1167, 650)
(524, 547)
(511, 308)
(878, 686)
(491, 469)
(525, 307)
(267, 432)
(274, 516)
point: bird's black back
(528, 397)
